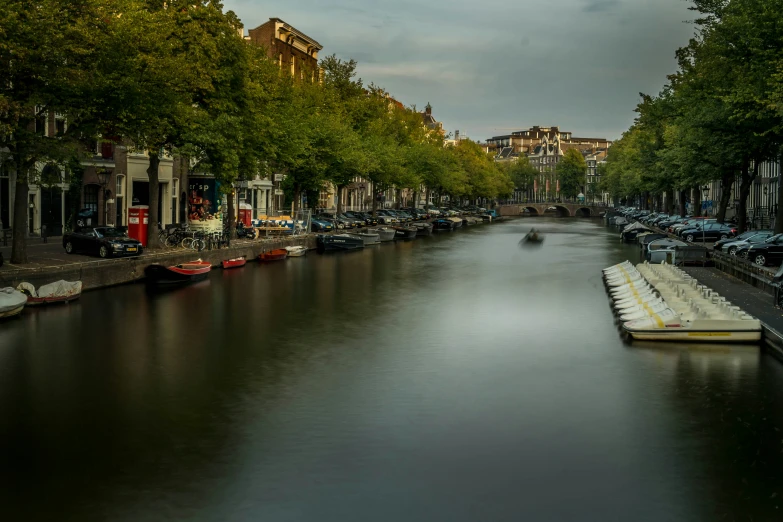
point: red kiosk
(138, 219)
(246, 214)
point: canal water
(456, 378)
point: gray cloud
(599, 6)
(486, 66)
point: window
(119, 200)
(91, 197)
(280, 60)
(59, 126)
(293, 65)
(174, 200)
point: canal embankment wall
(101, 273)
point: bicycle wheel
(187, 242)
(172, 240)
(198, 244)
(163, 237)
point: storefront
(205, 209)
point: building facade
(291, 49)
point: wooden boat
(178, 274)
(423, 229)
(443, 225)
(12, 302)
(296, 251)
(405, 232)
(274, 255)
(385, 233)
(368, 238)
(335, 242)
(234, 263)
(456, 220)
(53, 293)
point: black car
(102, 241)
(770, 252)
(708, 232)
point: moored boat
(277, 254)
(296, 251)
(443, 225)
(178, 274)
(405, 232)
(423, 229)
(456, 220)
(12, 302)
(385, 233)
(335, 242)
(234, 263)
(53, 293)
(368, 238)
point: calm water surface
(453, 378)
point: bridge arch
(560, 210)
(533, 211)
(583, 212)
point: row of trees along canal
(717, 118)
(176, 77)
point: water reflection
(455, 377)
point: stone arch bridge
(551, 209)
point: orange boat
(274, 255)
(178, 274)
(234, 263)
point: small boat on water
(234, 263)
(456, 220)
(273, 255)
(335, 242)
(368, 237)
(12, 302)
(296, 251)
(423, 229)
(405, 232)
(443, 225)
(532, 238)
(178, 274)
(385, 233)
(53, 293)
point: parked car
(102, 241)
(738, 239)
(770, 252)
(731, 246)
(708, 232)
(336, 222)
(320, 225)
(354, 222)
(385, 217)
(363, 216)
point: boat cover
(11, 299)
(635, 226)
(58, 289)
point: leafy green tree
(571, 171)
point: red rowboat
(178, 274)
(274, 255)
(234, 263)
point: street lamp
(706, 191)
(103, 178)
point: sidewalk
(752, 300)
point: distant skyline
(491, 67)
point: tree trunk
(19, 245)
(154, 218)
(742, 209)
(398, 197)
(726, 180)
(682, 202)
(779, 210)
(340, 199)
(231, 213)
(669, 201)
(426, 197)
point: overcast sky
(491, 66)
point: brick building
(288, 47)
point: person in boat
(532, 235)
